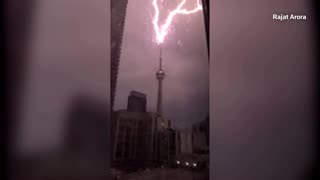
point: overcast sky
(185, 62)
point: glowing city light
(194, 164)
(162, 31)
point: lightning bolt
(162, 31)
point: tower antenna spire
(160, 76)
(160, 65)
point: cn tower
(160, 76)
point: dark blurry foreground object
(18, 23)
(206, 15)
(87, 160)
(87, 132)
(85, 153)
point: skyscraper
(132, 133)
(118, 13)
(137, 102)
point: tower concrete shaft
(160, 76)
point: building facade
(118, 13)
(159, 150)
(200, 136)
(137, 102)
(184, 142)
(141, 138)
(132, 136)
(131, 132)
(172, 143)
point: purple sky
(185, 63)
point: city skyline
(185, 61)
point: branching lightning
(162, 31)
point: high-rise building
(131, 136)
(137, 102)
(132, 133)
(200, 134)
(206, 15)
(183, 142)
(159, 150)
(118, 13)
(172, 143)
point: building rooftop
(138, 94)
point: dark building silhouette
(18, 26)
(172, 143)
(200, 136)
(132, 137)
(118, 14)
(206, 15)
(137, 102)
(184, 143)
(140, 138)
(160, 138)
(131, 133)
(161, 153)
